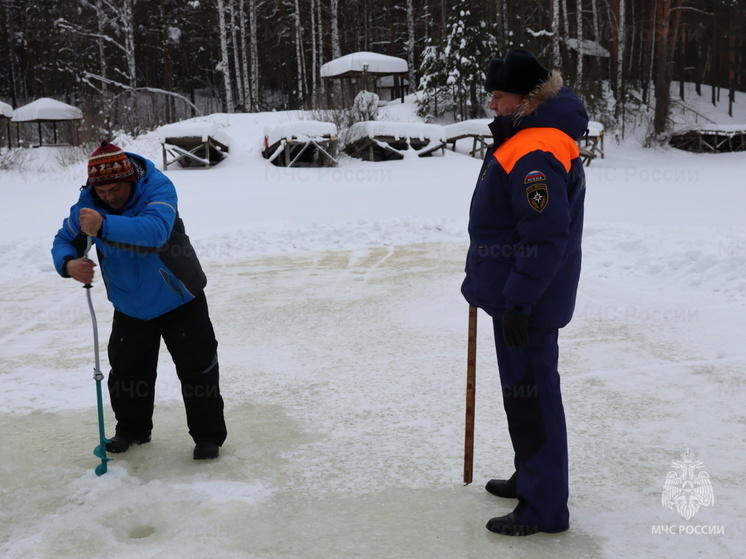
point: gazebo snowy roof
(6, 110)
(356, 63)
(589, 48)
(46, 109)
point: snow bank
(299, 129)
(476, 126)
(6, 110)
(698, 110)
(355, 62)
(373, 128)
(189, 129)
(46, 109)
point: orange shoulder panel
(556, 142)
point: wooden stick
(471, 391)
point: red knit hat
(109, 164)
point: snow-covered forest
(181, 58)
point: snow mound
(300, 130)
(194, 129)
(46, 109)
(721, 129)
(476, 126)
(373, 128)
(595, 128)
(699, 111)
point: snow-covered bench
(191, 144)
(302, 143)
(710, 137)
(386, 140)
(592, 143)
(477, 129)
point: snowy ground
(335, 296)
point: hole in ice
(139, 532)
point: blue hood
(563, 111)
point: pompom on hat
(519, 72)
(109, 164)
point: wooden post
(471, 391)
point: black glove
(515, 329)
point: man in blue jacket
(156, 284)
(523, 265)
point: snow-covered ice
(335, 297)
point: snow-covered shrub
(365, 106)
(13, 158)
(70, 155)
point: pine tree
(431, 98)
(468, 47)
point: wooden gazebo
(365, 68)
(48, 111)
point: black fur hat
(519, 72)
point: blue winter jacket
(146, 259)
(526, 216)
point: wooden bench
(387, 141)
(189, 151)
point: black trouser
(536, 421)
(133, 356)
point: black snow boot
(121, 443)
(206, 450)
(502, 488)
(508, 525)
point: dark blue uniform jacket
(526, 216)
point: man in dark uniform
(155, 282)
(523, 265)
